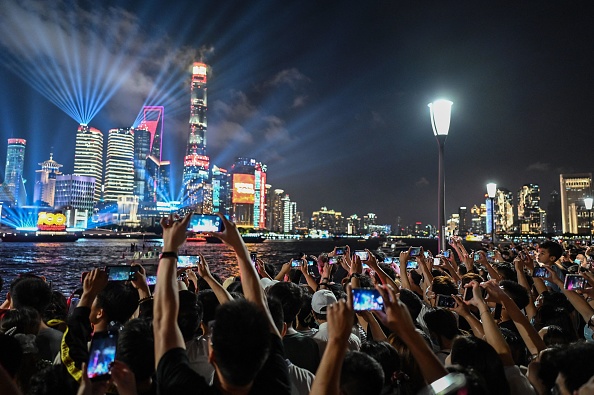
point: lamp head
(440, 111)
(491, 189)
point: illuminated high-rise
(45, 182)
(13, 173)
(196, 183)
(142, 149)
(275, 210)
(221, 199)
(88, 156)
(249, 193)
(529, 212)
(119, 165)
(574, 188)
(158, 180)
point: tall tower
(196, 162)
(119, 166)
(142, 149)
(88, 156)
(13, 173)
(45, 183)
(529, 213)
(574, 188)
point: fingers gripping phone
(367, 299)
(205, 223)
(102, 355)
(121, 272)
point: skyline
(297, 86)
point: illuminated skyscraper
(88, 156)
(142, 149)
(249, 193)
(574, 188)
(13, 173)
(158, 180)
(275, 211)
(119, 166)
(221, 188)
(529, 212)
(45, 183)
(75, 197)
(196, 163)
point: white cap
(321, 300)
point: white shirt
(321, 337)
(197, 350)
(301, 379)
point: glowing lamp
(441, 111)
(588, 202)
(491, 189)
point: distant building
(463, 224)
(221, 191)
(328, 220)
(88, 156)
(45, 182)
(574, 188)
(504, 211)
(553, 215)
(158, 180)
(74, 195)
(248, 200)
(14, 185)
(119, 165)
(529, 212)
(275, 210)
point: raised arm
(221, 293)
(166, 298)
(384, 278)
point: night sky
(331, 95)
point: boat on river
(38, 237)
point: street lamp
(491, 191)
(588, 202)
(441, 111)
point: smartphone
(436, 262)
(205, 223)
(427, 254)
(412, 265)
(121, 272)
(415, 251)
(296, 263)
(477, 256)
(541, 272)
(367, 299)
(311, 262)
(339, 250)
(574, 282)
(449, 384)
(74, 300)
(490, 254)
(333, 260)
(253, 257)
(446, 254)
(389, 259)
(445, 301)
(102, 355)
(468, 293)
(150, 272)
(363, 255)
(188, 261)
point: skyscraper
(158, 180)
(88, 156)
(554, 222)
(463, 220)
(504, 211)
(75, 197)
(221, 189)
(574, 188)
(142, 149)
(119, 166)
(13, 173)
(529, 216)
(196, 162)
(275, 211)
(45, 183)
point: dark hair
(57, 309)
(475, 383)
(209, 302)
(389, 270)
(411, 300)
(551, 315)
(118, 301)
(361, 374)
(235, 286)
(549, 369)
(26, 320)
(444, 285)
(305, 315)
(478, 354)
(30, 292)
(516, 292)
(276, 312)
(11, 354)
(386, 355)
(136, 347)
(443, 322)
(575, 363)
(240, 341)
(190, 314)
(516, 345)
(469, 277)
(554, 249)
(556, 336)
(506, 271)
(289, 295)
(202, 284)
(52, 380)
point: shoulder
(175, 374)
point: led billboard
(243, 189)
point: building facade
(119, 164)
(75, 196)
(14, 186)
(574, 188)
(88, 156)
(45, 182)
(529, 212)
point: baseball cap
(321, 299)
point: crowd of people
(506, 319)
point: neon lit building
(275, 210)
(119, 166)
(529, 212)
(220, 191)
(157, 180)
(13, 173)
(75, 197)
(196, 183)
(249, 193)
(142, 149)
(45, 183)
(88, 156)
(574, 188)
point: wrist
(168, 253)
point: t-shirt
(301, 379)
(48, 342)
(197, 351)
(302, 351)
(321, 337)
(518, 383)
(175, 376)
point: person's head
(442, 324)
(360, 374)
(444, 285)
(209, 302)
(550, 315)
(553, 335)
(11, 354)
(386, 355)
(320, 302)
(506, 271)
(549, 252)
(202, 284)
(190, 313)
(30, 292)
(289, 295)
(475, 383)
(58, 307)
(52, 380)
(305, 316)
(476, 353)
(516, 345)
(239, 341)
(575, 366)
(116, 302)
(276, 312)
(25, 320)
(516, 292)
(136, 348)
(411, 300)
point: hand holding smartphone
(102, 355)
(205, 223)
(120, 272)
(367, 299)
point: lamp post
(588, 202)
(491, 191)
(441, 111)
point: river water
(63, 263)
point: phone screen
(205, 223)
(574, 282)
(120, 273)
(445, 301)
(101, 355)
(332, 260)
(151, 274)
(188, 260)
(415, 251)
(446, 254)
(363, 255)
(541, 272)
(477, 256)
(389, 259)
(74, 300)
(412, 265)
(367, 299)
(253, 257)
(339, 251)
(296, 263)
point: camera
(102, 355)
(120, 273)
(445, 301)
(468, 293)
(367, 299)
(205, 223)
